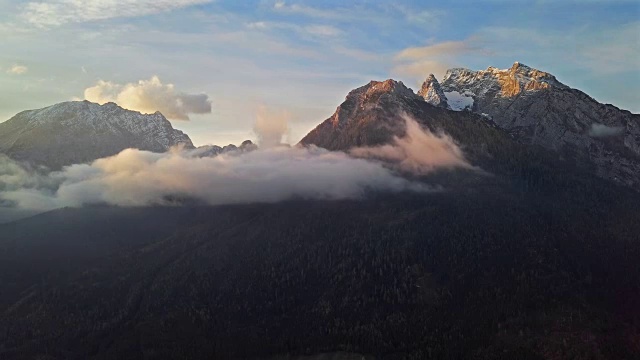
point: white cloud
(323, 30)
(284, 7)
(59, 12)
(17, 69)
(271, 126)
(418, 152)
(149, 96)
(315, 30)
(139, 178)
(601, 130)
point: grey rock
(537, 109)
(80, 131)
(432, 92)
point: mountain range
(530, 252)
(529, 105)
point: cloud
(434, 59)
(421, 17)
(140, 178)
(271, 126)
(419, 70)
(418, 152)
(323, 30)
(58, 12)
(446, 48)
(282, 6)
(315, 30)
(600, 130)
(17, 69)
(149, 96)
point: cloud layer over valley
(271, 174)
(139, 178)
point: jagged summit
(431, 92)
(79, 131)
(214, 150)
(389, 91)
(375, 89)
(519, 79)
(537, 108)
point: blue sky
(296, 59)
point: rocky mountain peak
(373, 94)
(431, 92)
(80, 131)
(537, 108)
(519, 79)
(389, 87)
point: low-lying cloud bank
(138, 178)
(270, 174)
(149, 96)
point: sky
(215, 66)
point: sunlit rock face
(431, 92)
(81, 131)
(536, 108)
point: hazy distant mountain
(536, 108)
(81, 131)
(213, 150)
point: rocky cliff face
(373, 114)
(538, 109)
(431, 92)
(369, 116)
(81, 131)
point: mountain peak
(431, 92)
(519, 79)
(518, 66)
(84, 131)
(389, 86)
(537, 108)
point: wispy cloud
(420, 61)
(419, 151)
(316, 30)
(284, 7)
(17, 69)
(58, 12)
(323, 30)
(424, 17)
(601, 130)
(447, 48)
(149, 96)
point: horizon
(296, 59)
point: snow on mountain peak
(79, 131)
(519, 79)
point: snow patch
(459, 102)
